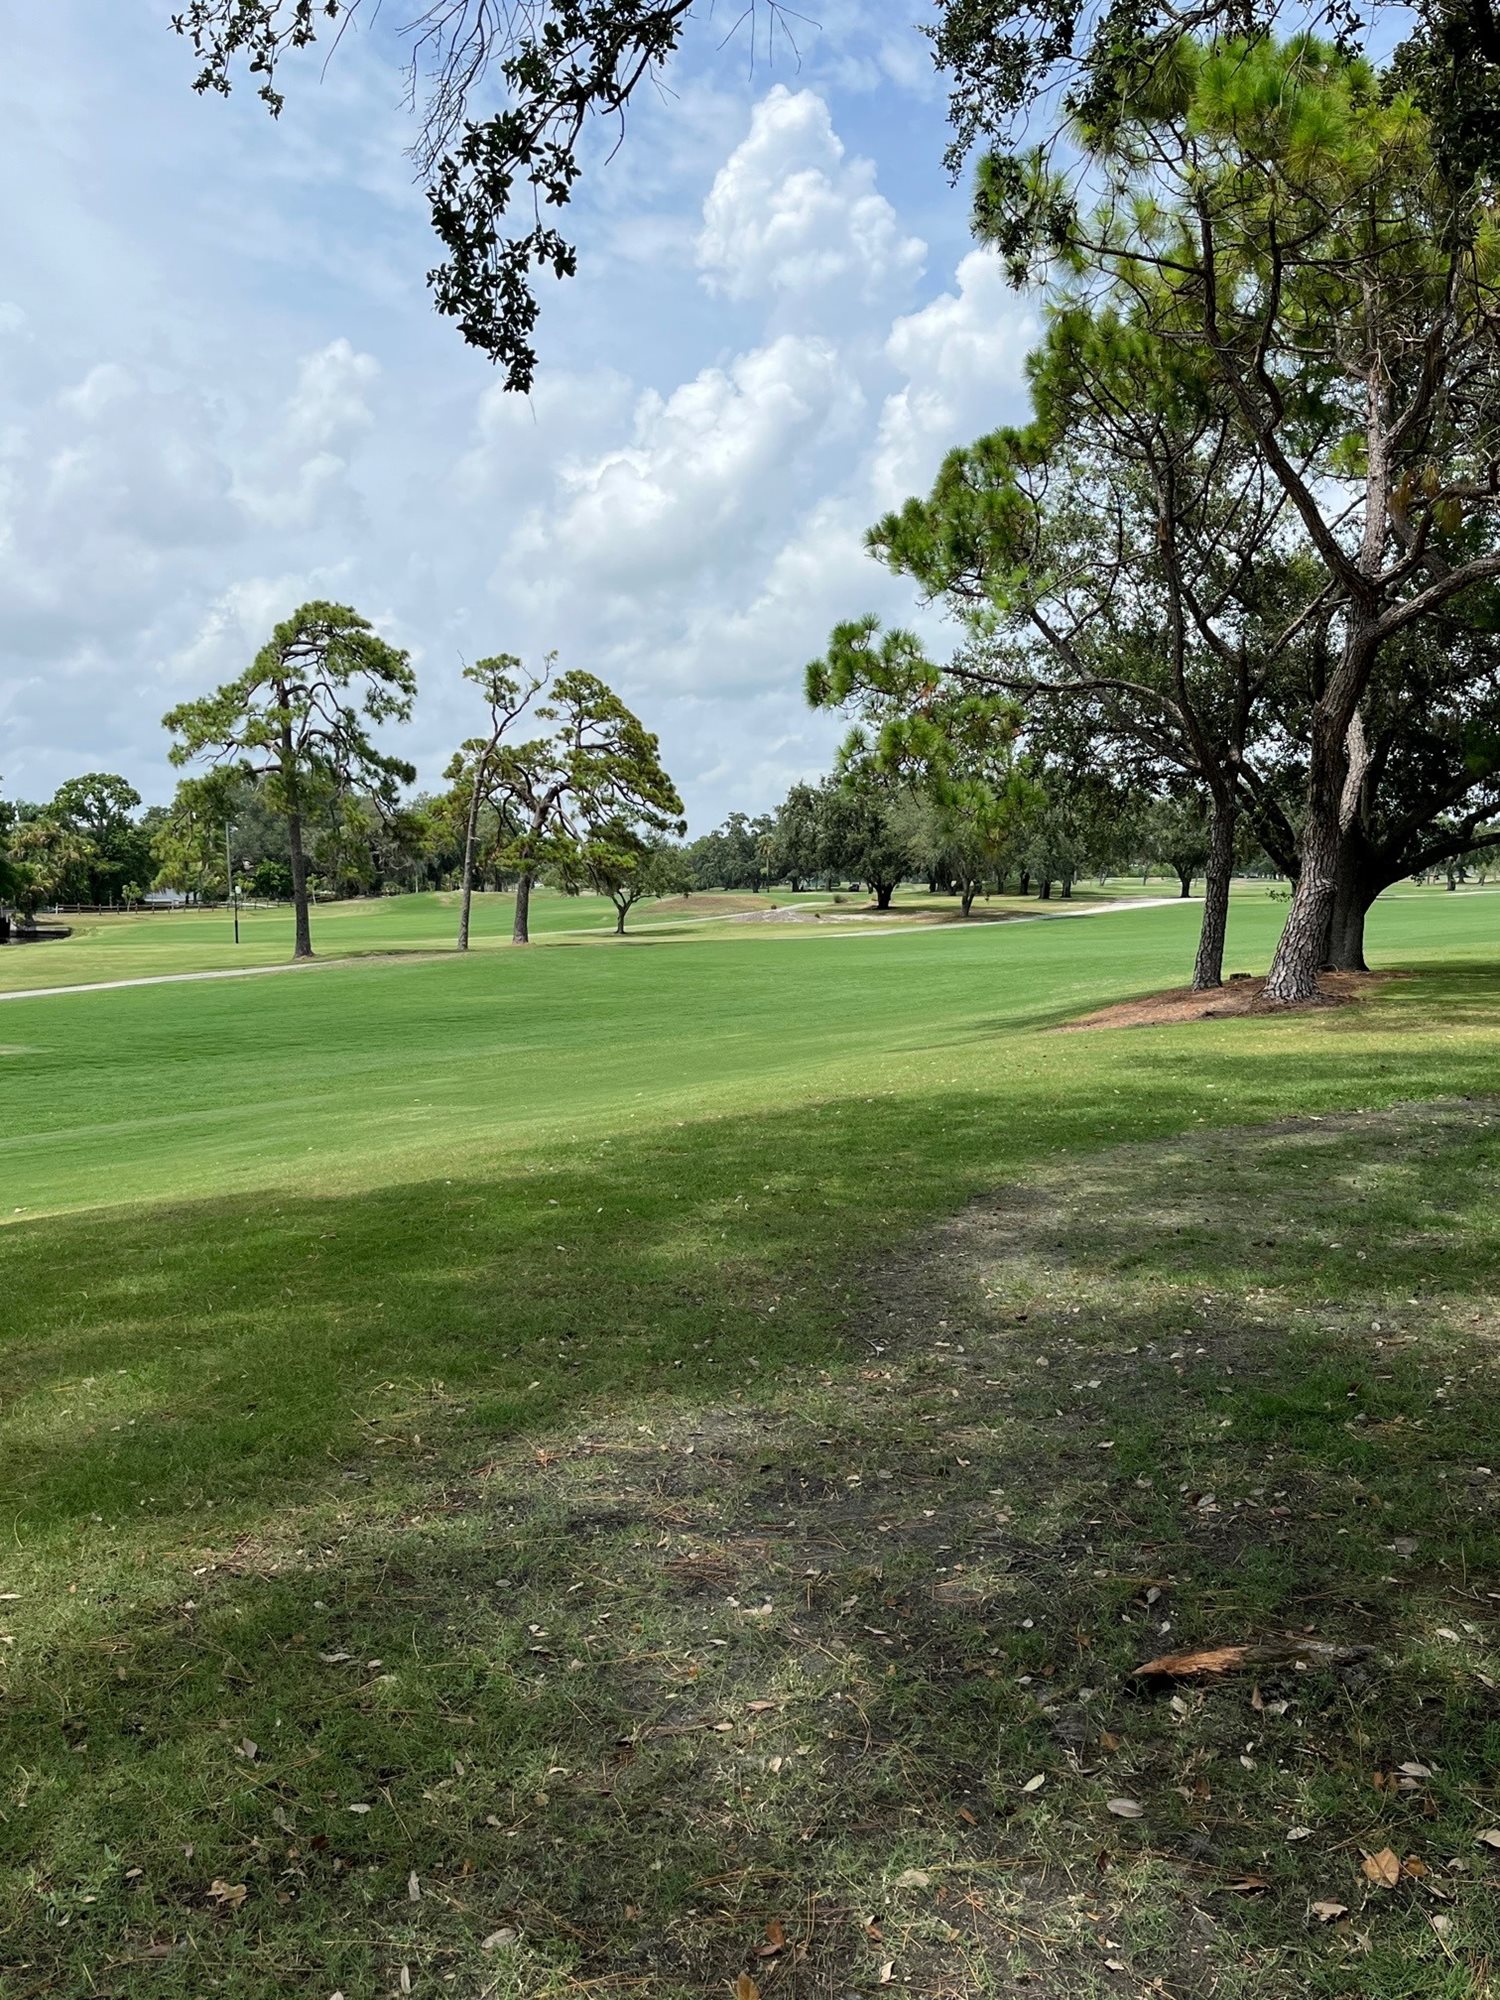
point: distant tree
(600, 767)
(101, 806)
(735, 855)
(1175, 832)
(952, 747)
(188, 844)
(794, 840)
(44, 853)
(507, 691)
(298, 720)
(271, 878)
(863, 837)
(618, 862)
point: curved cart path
(372, 958)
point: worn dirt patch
(1242, 995)
(707, 905)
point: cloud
(226, 391)
(301, 475)
(705, 467)
(790, 215)
(964, 358)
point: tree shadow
(668, 1570)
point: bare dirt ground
(1243, 995)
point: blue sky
(223, 389)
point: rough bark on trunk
(1346, 936)
(1208, 968)
(1337, 761)
(302, 948)
(883, 893)
(520, 930)
(1353, 894)
(1293, 977)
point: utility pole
(229, 878)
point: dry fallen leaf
(1326, 1911)
(918, 1878)
(1382, 1869)
(1035, 1784)
(1248, 1885)
(228, 1895)
(887, 1973)
(1414, 1770)
(1109, 1742)
(413, 1888)
(745, 1988)
(359, 1809)
(1299, 1832)
(497, 1938)
(1208, 1660)
(1126, 1809)
(775, 1940)
(1490, 1837)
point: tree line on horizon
(1246, 545)
(1241, 561)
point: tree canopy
(299, 719)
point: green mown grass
(313, 1286)
(162, 942)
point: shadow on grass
(669, 1568)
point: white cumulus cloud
(791, 215)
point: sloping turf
(281, 1249)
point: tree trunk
(1208, 968)
(1044, 894)
(1185, 877)
(1354, 892)
(967, 897)
(1346, 934)
(883, 894)
(466, 894)
(1067, 888)
(302, 948)
(1025, 888)
(1293, 977)
(1337, 761)
(620, 909)
(520, 930)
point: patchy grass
(688, 1539)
